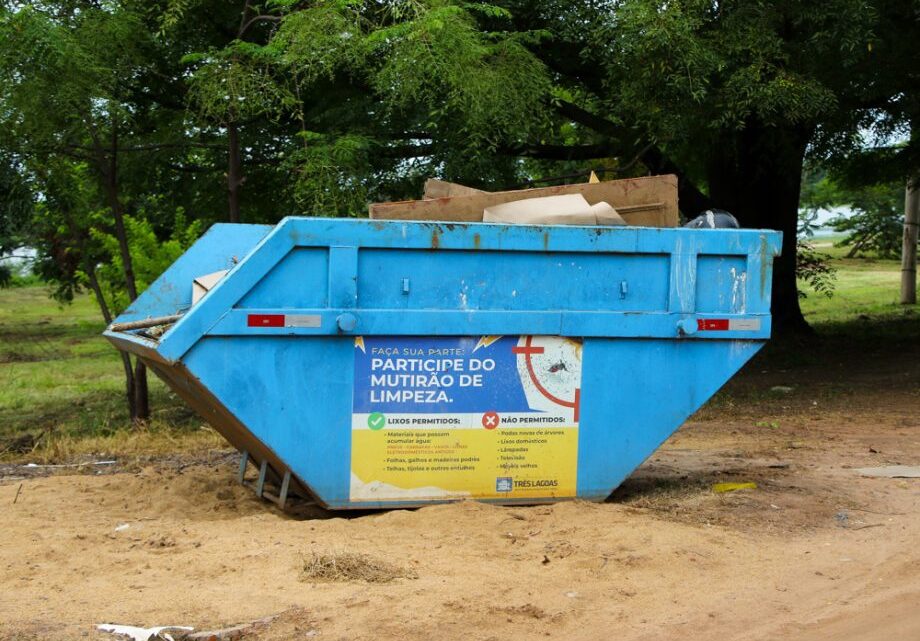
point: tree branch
(563, 152)
(691, 199)
(258, 19)
(151, 147)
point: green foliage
(688, 68)
(151, 256)
(352, 89)
(319, 41)
(236, 83)
(814, 270)
(328, 170)
(481, 87)
(875, 224)
(61, 223)
(16, 209)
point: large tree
(731, 96)
(251, 111)
(78, 126)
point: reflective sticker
(744, 324)
(265, 320)
(725, 324)
(303, 320)
(712, 324)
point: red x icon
(490, 420)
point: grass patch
(59, 377)
(155, 439)
(352, 566)
(865, 287)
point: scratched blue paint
(624, 291)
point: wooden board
(644, 202)
(435, 188)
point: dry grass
(152, 440)
(352, 566)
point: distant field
(60, 377)
(865, 287)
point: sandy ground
(815, 552)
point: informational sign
(453, 417)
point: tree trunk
(125, 358)
(234, 171)
(118, 215)
(909, 248)
(141, 396)
(138, 402)
(756, 175)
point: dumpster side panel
(477, 280)
(308, 267)
(268, 355)
(295, 395)
(221, 247)
(636, 393)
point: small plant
(813, 268)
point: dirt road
(815, 552)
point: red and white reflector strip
(728, 324)
(284, 320)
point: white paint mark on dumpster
(739, 291)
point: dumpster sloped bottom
(372, 370)
(625, 416)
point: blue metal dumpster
(380, 364)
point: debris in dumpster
(203, 284)
(142, 634)
(567, 209)
(435, 188)
(714, 219)
(145, 323)
(721, 488)
(649, 201)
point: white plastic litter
(566, 209)
(892, 471)
(142, 634)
